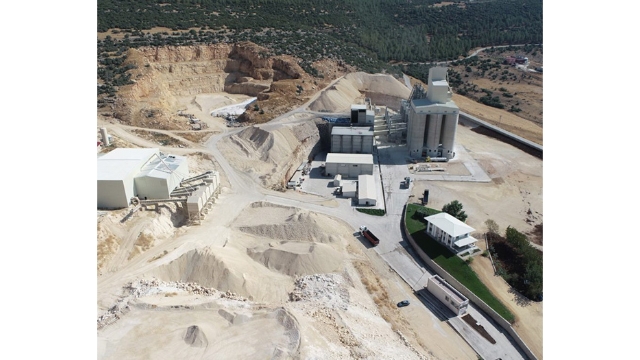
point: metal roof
(349, 158)
(449, 224)
(358, 107)
(121, 163)
(366, 187)
(422, 105)
(157, 169)
(341, 130)
(348, 186)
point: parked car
(403, 303)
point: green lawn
(450, 262)
(375, 212)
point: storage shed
(367, 190)
(349, 165)
(349, 189)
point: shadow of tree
(518, 298)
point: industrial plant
(144, 177)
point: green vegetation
(375, 212)
(519, 263)
(455, 266)
(370, 35)
(454, 209)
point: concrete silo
(432, 118)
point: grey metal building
(432, 118)
(349, 165)
(358, 140)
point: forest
(372, 35)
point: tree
(454, 209)
(492, 227)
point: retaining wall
(466, 292)
(512, 136)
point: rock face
(167, 72)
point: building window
(446, 298)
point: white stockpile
(235, 109)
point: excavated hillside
(165, 74)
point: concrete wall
(113, 194)
(348, 170)
(517, 138)
(466, 292)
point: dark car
(403, 303)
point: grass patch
(375, 212)
(450, 262)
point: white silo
(105, 136)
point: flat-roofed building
(354, 140)
(448, 295)
(349, 165)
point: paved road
(244, 190)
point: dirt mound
(352, 89)
(298, 258)
(270, 156)
(226, 269)
(217, 329)
(303, 226)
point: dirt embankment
(353, 88)
(271, 157)
(164, 74)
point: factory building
(448, 295)
(126, 173)
(366, 190)
(354, 140)
(349, 165)
(432, 118)
(362, 114)
(451, 232)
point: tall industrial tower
(432, 118)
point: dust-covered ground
(278, 285)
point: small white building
(349, 165)
(367, 190)
(450, 232)
(448, 295)
(349, 188)
(160, 175)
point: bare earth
(263, 279)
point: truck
(369, 235)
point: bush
(374, 212)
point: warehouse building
(358, 140)
(448, 295)
(432, 118)
(349, 165)
(125, 173)
(450, 232)
(367, 190)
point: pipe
(197, 177)
(158, 201)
